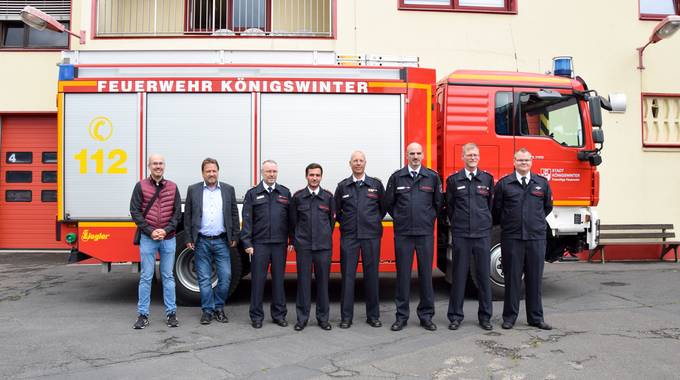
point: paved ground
(611, 321)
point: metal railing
(147, 18)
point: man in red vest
(156, 209)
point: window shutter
(11, 9)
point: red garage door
(28, 182)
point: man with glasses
(522, 200)
(469, 197)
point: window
(661, 120)
(658, 9)
(15, 34)
(497, 6)
(557, 118)
(49, 177)
(19, 157)
(49, 157)
(12, 176)
(232, 15)
(48, 195)
(503, 113)
(18, 196)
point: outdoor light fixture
(666, 28)
(37, 19)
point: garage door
(28, 182)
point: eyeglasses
(523, 160)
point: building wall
(638, 184)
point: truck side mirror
(617, 102)
(595, 104)
(598, 135)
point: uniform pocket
(324, 208)
(303, 207)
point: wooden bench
(636, 234)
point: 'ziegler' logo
(88, 236)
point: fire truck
(116, 108)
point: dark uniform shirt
(469, 203)
(359, 208)
(521, 211)
(266, 216)
(313, 219)
(414, 203)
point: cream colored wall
(28, 81)
(638, 185)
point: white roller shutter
(297, 129)
(101, 155)
(186, 128)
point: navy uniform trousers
(528, 257)
(320, 260)
(404, 245)
(349, 258)
(264, 255)
(464, 251)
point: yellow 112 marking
(117, 167)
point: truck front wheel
(186, 279)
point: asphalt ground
(618, 320)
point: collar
(519, 177)
(159, 183)
(205, 185)
(314, 192)
(467, 173)
(265, 186)
(417, 170)
(355, 179)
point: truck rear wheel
(186, 280)
(496, 276)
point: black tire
(496, 270)
(186, 282)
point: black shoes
(374, 322)
(171, 320)
(281, 322)
(219, 316)
(142, 322)
(398, 325)
(206, 318)
(454, 325)
(256, 324)
(507, 325)
(299, 326)
(485, 325)
(541, 325)
(428, 325)
(345, 324)
(325, 325)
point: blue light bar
(563, 66)
(67, 72)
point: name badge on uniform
(537, 188)
(460, 187)
(372, 190)
(345, 196)
(260, 197)
(402, 187)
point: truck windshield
(557, 118)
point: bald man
(359, 212)
(155, 207)
(414, 198)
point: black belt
(220, 236)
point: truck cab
(555, 117)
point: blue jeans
(147, 254)
(209, 251)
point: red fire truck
(116, 108)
